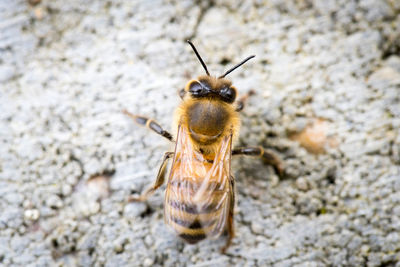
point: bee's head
(211, 87)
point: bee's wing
(198, 194)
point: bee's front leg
(159, 181)
(149, 123)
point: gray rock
(69, 69)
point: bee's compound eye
(228, 94)
(196, 89)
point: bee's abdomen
(192, 238)
(193, 219)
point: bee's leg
(267, 156)
(154, 126)
(230, 226)
(182, 93)
(242, 101)
(159, 181)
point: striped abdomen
(196, 207)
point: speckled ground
(69, 158)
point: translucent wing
(198, 194)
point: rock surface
(70, 158)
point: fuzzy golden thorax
(208, 116)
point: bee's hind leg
(267, 156)
(151, 124)
(230, 227)
(159, 181)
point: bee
(200, 191)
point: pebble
(118, 247)
(32, 214)
(302, 184)
(54, 202)
(148, 262)
(66, 189)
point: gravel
(70, 158)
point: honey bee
(200, 191)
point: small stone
(148, 240)
(118, 247)
(98, 186)
(394, 62)
(31, 214)
(257, 228)
(66, 189)
(94, 207)
(22, 230)
(148, 262)
(302, 184)
(54, 202)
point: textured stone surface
(70, 158)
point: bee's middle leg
(266, 155)
(159, 181)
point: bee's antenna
(237, 66)
(199, 57)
